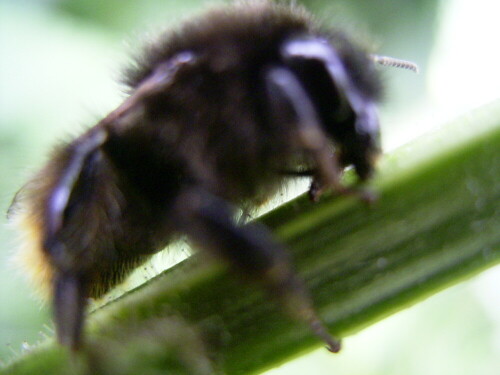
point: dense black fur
(208, 126)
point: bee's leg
(254, 252)
(316, 188)
(61, 226)
(300, 52)
(82, 151)
(289, 102)
(69, 306)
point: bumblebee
(221, 112)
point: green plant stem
(437, 221)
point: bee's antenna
(396, 63)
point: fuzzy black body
(221, 113)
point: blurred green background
(59, 64)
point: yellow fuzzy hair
(30, 258)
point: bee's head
(341, 82)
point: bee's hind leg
(252, 250)
(69, 307)
(63, 228)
